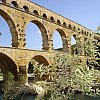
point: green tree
(97, 55)
(68, 75)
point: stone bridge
(18, 15)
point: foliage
(97, 54)
(8, 85)
(68, 75)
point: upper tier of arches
(44, 13)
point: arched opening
(5, 35)
(14, 4)
(44, 16)
(82, 31)
(60, 40)
(6, 31)
(3, 1)
(25, 8)
(73, 45)
(36, 12)
(52, 19)
(78, 30)
(73, 39)
(40, 60)
(74, 28)
(36, 37)
(58, 22)
(8, 65)
(69, 26)
(64, 24)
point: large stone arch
(12, 27)
(43, 31)
(41, 58)
(8, 65)
(64, 38)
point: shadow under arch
(11, 25)
(8, 65)
(64, 39)
(40, 59)
(44, 34)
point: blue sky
(84, 12)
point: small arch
(3, 1)
(69, 26)
(14, 4)
(58, 22)
(85, 39)
(25, 8)
(85, 32)
(44, 16)
(74, 28)
(78, 30)
(90, 35)
(52, 19)
(64, 24)
(82, 31)
(36, 12)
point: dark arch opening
(3, 1)
(8, 65)
(82, 31)
(8, 24)
(58, 22)
(36, 12)
(74, 28)
(41, 60)
(40, 40)
(78, 30)
(69, 26)
(44, 16)
(25, 8)
(52, 19)
(64, 24)
(60, 41)
(14, 4)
